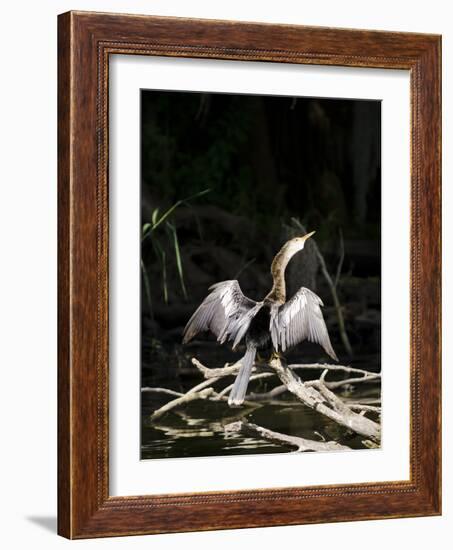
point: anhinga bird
(273, 322)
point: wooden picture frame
(85, 41)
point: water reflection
(199, 428)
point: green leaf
(148, 230)
(178, 203)
(154, 216)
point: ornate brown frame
(85, 42)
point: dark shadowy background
(223, 178)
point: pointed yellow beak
(308, 235)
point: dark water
(198, 428)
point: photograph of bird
(272, 323)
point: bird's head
(287, 251)
(279, 263)
(297, 244)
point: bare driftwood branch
(366, 408)
(333, 291)
(184, 399)
(203, 390)
(207, 393)
(212, 373)
(301, 444)
(162, 390)
(233, 369)
(365, 401)
(278, 390)
(323, 400)
(200, 391)
(316, 394)
(228, 370)
(324, 366)
(347, 381)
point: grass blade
(154, 216)
(146, 285)
(178, 203)
(160, 253)
(164, 277)
(145, 230)
(174, 235)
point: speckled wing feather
(300, 319)
(226, 312)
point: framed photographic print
(249, 275)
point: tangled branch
(302, 444)
(316, 394)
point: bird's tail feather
(239, 389)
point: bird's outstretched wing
(300, 319)
(226, 312)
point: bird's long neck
(278, 267)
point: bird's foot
(276, 358)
